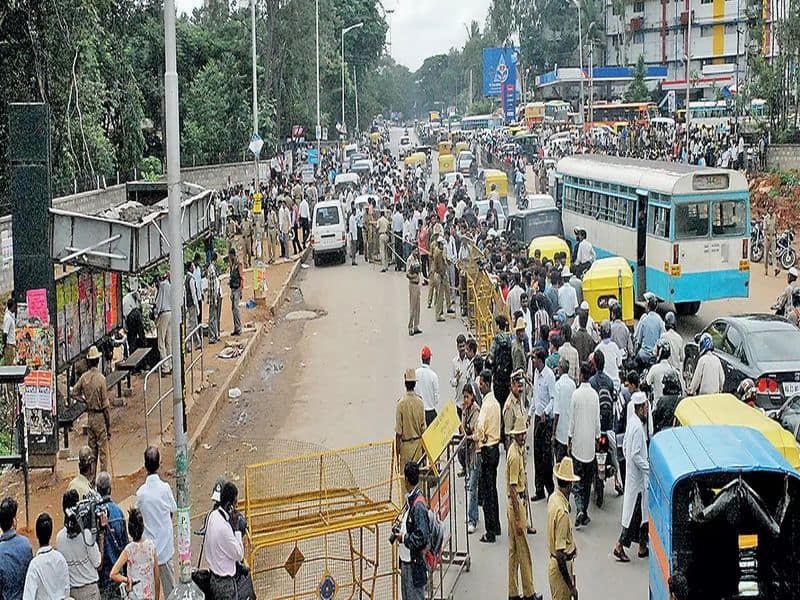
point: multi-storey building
(722, 33)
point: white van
(328, 231)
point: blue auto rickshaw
(724, 510)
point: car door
(735, 358)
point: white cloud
(420, 28)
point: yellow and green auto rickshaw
(548, 246)
(445, 147)
(609, 279)
(447, 164)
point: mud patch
(272, 366)
(299, 315)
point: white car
(483, 208)
(328, 231)
(464, 162)
(405, 145)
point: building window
(730, 28)
(706, 1)
(638, 37)
(706, 31)
(638, 6)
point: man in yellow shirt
(488, 436)
(560, 542)
(409, 422)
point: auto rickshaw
(447, 164)
(445, 147)
(493, 177)
(460, 147)
(548, 246)
(724, 513)
(727, 409)
(417, 158)
(375, 137)
(607, 279)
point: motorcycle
(756, 241)
(786, 254)
(605, 468)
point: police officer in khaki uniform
(369, 231)
(519, 554)
(513, 410)
(441, 290)
(92, 387)
(409, 422)
(560, 542)
(413, 270)
(272, 232)
(383, 240)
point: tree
(637, 90)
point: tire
(599, 491)
(788, 258)
(756, 252)
(316, 260)
(343, 258)
(687, 309)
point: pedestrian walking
(562, 410)
(91, 387)
(488, 437)
(469, 426)
(413, 537)
(540, 412)
(191, 308)
(519, 554)
(409, 422)
(352, 234)
(634, 504)
(584, 431)
(140, 560)
(214, 300)
(162, 313)
(235, 282)
(428, 386)
(10, 333)
(560, 540)
(413, 270)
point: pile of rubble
(779, 193)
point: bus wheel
(687, 309)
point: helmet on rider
(706, 343)
(605, 329)
(663, 350)
(651, 300)
(670, 322)
(671, 384)
(746, 390)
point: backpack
(432, 553)
(606, 409)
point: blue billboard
(499, 69)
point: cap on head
(521, 325)
(85, 454)
(410, 375)
(426, 353)
(93, 354)
(638, 398)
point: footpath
(205, 389)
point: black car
(763, 347)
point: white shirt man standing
(562, 409)
(428, 386)
(157, 504)
(48, 573)
(223, 543)
(458, 377)
(584, 431)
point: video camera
(87, 514)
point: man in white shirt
(48, 573)
(709, 376)
(584, 431)
(10, 332)
(459, 373)
(562, 410)
(82, 557)
(585, 255)
(428, 386)
(541, 409)
(352, 234)
(611, 352)
(514, 299)
(284, 225)
(305, 220)
(157, 504)
(223, 542)
(567, 296)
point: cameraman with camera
(413, 536)
(223, 543)
(78, 543)
(112, 538)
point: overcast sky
(420, 28)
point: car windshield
(769, 347)
(547, 222)
(327, 215)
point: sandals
(643, 553)
(620, 555)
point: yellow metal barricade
(321, 522)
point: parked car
(764, 348)
(328, 231)
(465, 162)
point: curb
(195, 438)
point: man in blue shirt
(114, 537)
(650, 329)
(16, 553)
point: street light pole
(355, 85)
(688, 57)
(580, 59)
(345, 30)
(319, 125)
(186, 587)
(255, 87)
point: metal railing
(191, 361)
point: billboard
(499, 68)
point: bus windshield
(691, 220)
(729, 218)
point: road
(332, 381)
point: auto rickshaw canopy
(445, 147)
(497, 178)
(609, 278)
(460, 147)
(415, 158)
(548, 245)
(727, 409)
(447, 164)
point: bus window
(729, 218)
(658, 222)
(691, 220)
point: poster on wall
(35, 348)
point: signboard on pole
(256, 144)
(307, 172)
(499, 69)
(509, 104)
(313, 156)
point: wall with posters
(35, 345)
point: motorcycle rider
(664, 413)
(746, 392)
(784, 301)
(649, 331)
(657, 373)
(675, 342)
(709, 376)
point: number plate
(791, 388)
